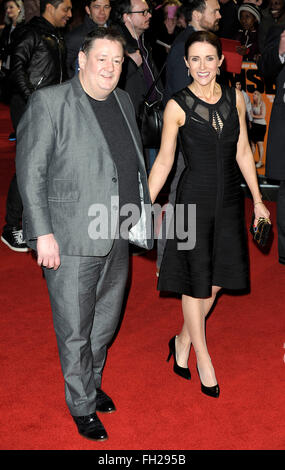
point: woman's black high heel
(210, 391)
(182, 371)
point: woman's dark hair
(110, 33)
(204, 36)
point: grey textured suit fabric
(62, 174)
(64, 167)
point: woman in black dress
(14, 20)
(210, 122)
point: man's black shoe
(14, 239)
(91, 427)
(104, 404)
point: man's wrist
(42, 237)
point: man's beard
(207, 27)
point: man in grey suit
(80, 169)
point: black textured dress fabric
(211, 181)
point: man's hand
(242, 50)
(136, 57)
(282, 43)
(48, 251)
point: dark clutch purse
(262, 231)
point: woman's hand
(260, 210)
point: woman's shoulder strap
(184, 99)
(230, 93)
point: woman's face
(12, 10)
(256, 96)
(203, 62)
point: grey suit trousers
(86, 295)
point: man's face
(139, 22)
(99, 11)
(209, 20)
(101, 67)
(277, 8)
(61, 14)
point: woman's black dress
(211, 182)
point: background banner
(252, 81)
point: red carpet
(155, 408)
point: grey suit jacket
(64, 167)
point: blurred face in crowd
(138, 22)
(277, 8)
(12, 11)
(255, 2)
(247, 20)
(101, 67)
(256, 97)
(99, 11)
(209, 19)
(60, 15)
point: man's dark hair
(102, 33)
(204, 36)
(119, 7)
(189, 6)
(87, 3)
(54, 3)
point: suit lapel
(87, 114)
(86, 111)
